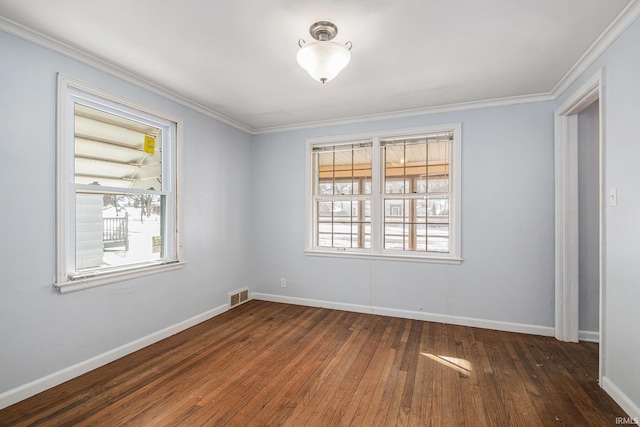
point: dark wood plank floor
(268, 364)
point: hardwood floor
(275, 364)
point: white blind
(352, 145)
(418, 139)
(110, 151)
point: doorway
(589, 223)
(586, 101)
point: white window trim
(65, 194)
(376, 251)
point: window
(117, 189)
(391, 195)
(416, 193)
(342, 195)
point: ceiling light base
(323, 31)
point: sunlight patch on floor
(462, 366)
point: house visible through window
(387, 195)
(117, 187)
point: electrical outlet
(283, 283)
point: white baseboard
(407, 314)
(621, 399)
(30, 389)
(589, 336)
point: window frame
(377, 197)
(67, 279)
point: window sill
(384, 257)
(107, 278)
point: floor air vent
(238, 297)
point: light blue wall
(621, 117)
(507, 224)
(41, 331)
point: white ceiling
(237, 58)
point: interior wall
(507, 225)
(42, 332)
(621, 136)
(589, 220)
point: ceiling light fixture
(323, 59)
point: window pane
(325, 227)
(415, 155)
(418, 165)
(343, 223)
(438, 184)
(367, 236)
(394, 185)
(326, 187)
(324, 172)
(393, 236)
(342, 211)
(394, 211)
(343, 187)
(439, 166)
(438, 224)
(438, 208)
(341, 235)
(324, 240)
(438, 237)
(325, 211)
(116, 229)
(415, 167)
(421, 237)
(421, 210)
(394, 169)
(343, 170)
(113, 151)
(417, 224)
(366, 185)
(362, 174)
(405, 168)
(394, 156)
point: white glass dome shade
(323, 60)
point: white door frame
(566, 208)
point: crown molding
(624, 19)
(45, 41)
(496, 102)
